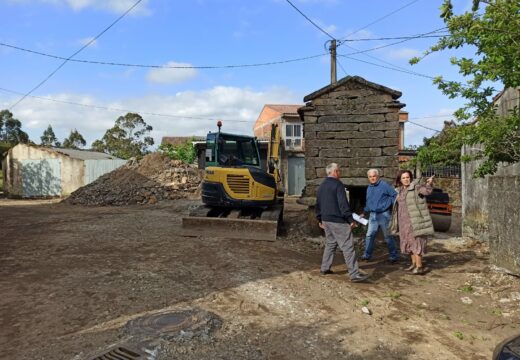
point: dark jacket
(331, 202)
(380, 197)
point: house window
(293, 136)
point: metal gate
(295, 175)
(41, 178)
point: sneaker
(394, 261)
(409, 268)
(420, 271)
(326, 272)
(359, 278)
(364, 258)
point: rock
(366, 310)
(466, 300)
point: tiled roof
(285, 109)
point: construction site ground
(72, 278)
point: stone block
(380, 126)
(392, 134)
(335, 135)
(367, 143)
(350, 94)
(320, 172)
(326, 144)
(351, 118)
(311, 152)
(336, 127)
(392, 116)
(390, 150)
(367, 135)
(309, 119)
(377, 161)
(350, 152)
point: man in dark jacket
(380, 198)
(335, 217)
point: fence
(442, 171)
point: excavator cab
(239, 198)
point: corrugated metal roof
(83, 154)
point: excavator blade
(232, 226)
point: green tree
(49, 138)
(492, 29)
(74, 141)
(185, 152)
(11, 132)
(127, 138)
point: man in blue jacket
(380, 198)
(335, 217)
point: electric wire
(426, 127)
(312, 22)
(382, 18)
(162, 66)
(74, 54)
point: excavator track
(245, 223)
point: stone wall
(355, 125)
(452, 186)
(504, 222)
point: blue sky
(208, 33)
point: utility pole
(333, 75)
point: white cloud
(117, 6)
(238, 108)
(404, 53)
(170, 76)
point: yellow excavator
(240, 199)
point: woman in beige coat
(411, 218)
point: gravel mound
(153, 178)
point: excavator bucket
(247, 224)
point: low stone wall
(504, 222)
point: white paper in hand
(359, 219)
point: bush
(185, 152)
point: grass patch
(467, 288)
(364, 302)
(394, 295)
(497, 312)
(459, 335)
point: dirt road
(77, 281)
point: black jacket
(331, 202)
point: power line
(382, 17)
(162, 66)
(341, 66)
(388, 67)
(426, 127)
(395, 38)
(312, 22)
(98, 107)
(77, 52)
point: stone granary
(355, 123)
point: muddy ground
(76, 281)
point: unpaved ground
(72, 277)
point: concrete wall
(72, 170)
(356, 126)
(504, 222)
(490, 204)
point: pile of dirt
(153, 178)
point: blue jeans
(376, 221)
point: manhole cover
(162, 323)
(183, 324)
